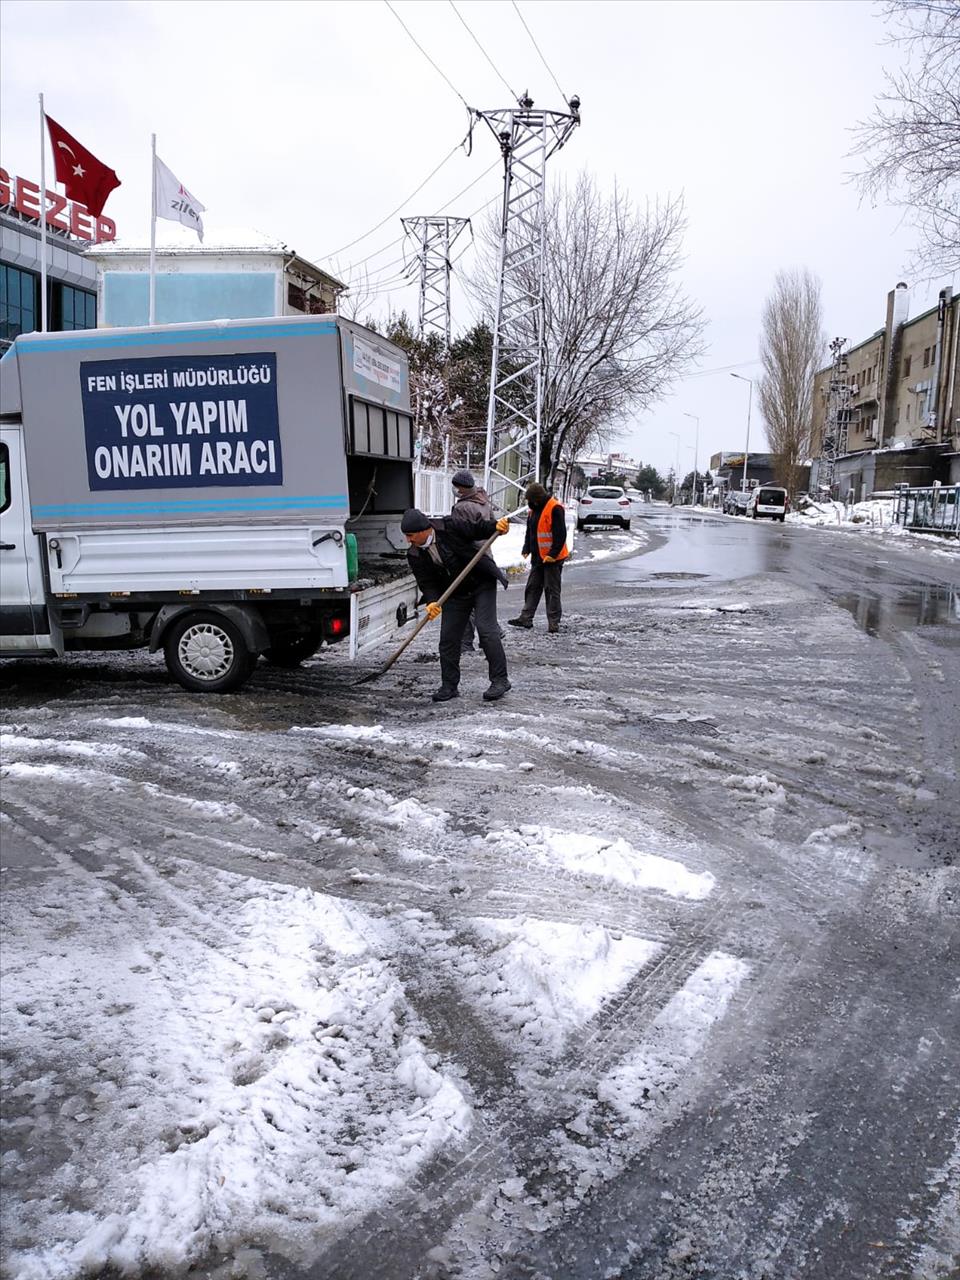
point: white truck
(218, 491)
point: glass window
(406, 436)
(73, 308)
(375, 416)
(19, 302)
(906, 366)
(4, 477)
(361, 436)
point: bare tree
(911, 143)
(618, 327)
(792, 344)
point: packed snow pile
(875, 513)
(218, 1056)
(616, 860)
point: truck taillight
(336, 626)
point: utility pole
(746, 448)
(836, 423)
(435, 238)
(527, 138)
(696, 456)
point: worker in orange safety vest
(546, 545)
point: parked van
(768, 500)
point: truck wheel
(293, 650)
(206, 653)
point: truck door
(24, 625)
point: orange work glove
(433, 610)
(503, 524)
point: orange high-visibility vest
(545, 532)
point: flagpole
(153, 227)
(43, 220)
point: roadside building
(903, 416)
(727, 469)
(71, 277)
(235, 276)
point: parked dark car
(736, 502)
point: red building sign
(62, 214)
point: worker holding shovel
(456, 578)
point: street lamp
(746, 451)
(696, 456)
(676, 469)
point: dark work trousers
(453, 622)
(544, 579)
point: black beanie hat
(464, 480)
(536, 496)
(414, 521)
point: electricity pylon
(528, 138)
(837, 421)
(435, 237)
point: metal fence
(433, 492)
(933, 510)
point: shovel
(382, 670)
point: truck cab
(25, 622)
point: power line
(481, 48)
(399, 240)
(727, 368)
(438, 70)
(537, 47)
(393, 212)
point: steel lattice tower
(527, 140)
(836, 424)
(435, 237)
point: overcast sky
(314, 121)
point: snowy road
(649, 970)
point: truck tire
(289, 652)
(206, 653)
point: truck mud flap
(379, 614)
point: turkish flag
(87, 180)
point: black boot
(445, 693)
(520, 622)
(497, 689)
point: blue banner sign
(182, 422)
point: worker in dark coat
(546, 545)
(471, 508)
(439, 550)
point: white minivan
(768, 500)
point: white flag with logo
(175, 202)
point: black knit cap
(536, 496)
(464, 480)
(414, 521)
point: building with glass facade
(71, 279)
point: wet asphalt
(776, 704)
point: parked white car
(604, 504)
(768, 500)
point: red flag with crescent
(86, 179)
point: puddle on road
(921, 606)
(677, 577)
